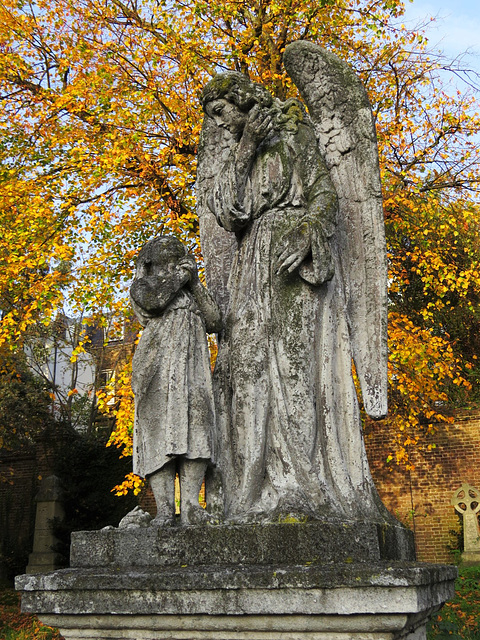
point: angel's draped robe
(289, 431)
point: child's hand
(189, 265)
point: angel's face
(227, 115)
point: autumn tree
(24, 402)
(99, 132)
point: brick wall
(421, 498)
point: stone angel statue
(292, 233)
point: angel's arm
(224, 199)
(322, 218)
(228, 200)
(207, 305)
(306, 247)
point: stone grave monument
(466, 501)
(49, 506)
(295, 543)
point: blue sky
(456, 28)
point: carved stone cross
(466, 501)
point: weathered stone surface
(290, 627)
(135, 519)
(218, 245)
(171, 377)
(49, 506)
(302, 543)
(340, 109)
(306, 291)
(241, 602)
(274, 579)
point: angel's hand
(293, 250)
(259, 124)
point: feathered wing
(342, 116)
(218, 245)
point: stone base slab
(378, 601)
(471, 557)
(282, 581)
(373, 627)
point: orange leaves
(131, 483)
(422, 367)
(15, 624)
(101, 121)
(460, 618)
(435, 281)
(117, 401)
(94, 100)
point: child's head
(160, 252)
(163, 268)
(161, 255)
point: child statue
(171, 378)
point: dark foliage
(88, 471)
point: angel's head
(229, 97)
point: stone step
(255, 544)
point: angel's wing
(342, 116)
(218, 245)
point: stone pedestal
(258, 582)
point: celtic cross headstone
(466, 501)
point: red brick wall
(421, 498)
